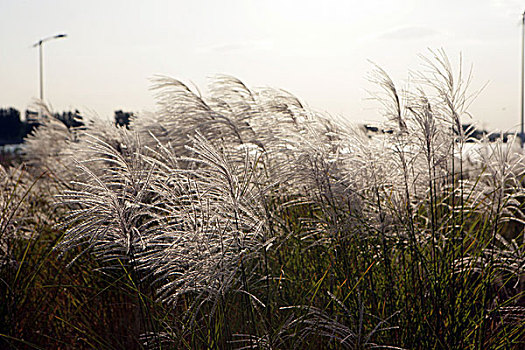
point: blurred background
(318, 51)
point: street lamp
(39, 44)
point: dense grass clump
(243, 219)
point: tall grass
(242, 219)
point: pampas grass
(242, 219)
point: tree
(11, 127)
(123, 118)
(70, 119)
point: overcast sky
(317, 50)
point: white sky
(317, 50)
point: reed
(242, 219)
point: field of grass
(244, 220)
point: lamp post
(39, 44)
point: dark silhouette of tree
(123, 118)
(11, 127)
(31, 122)
(70, 119)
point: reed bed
(243, 220)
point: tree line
(13, 129)
(468, 129)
